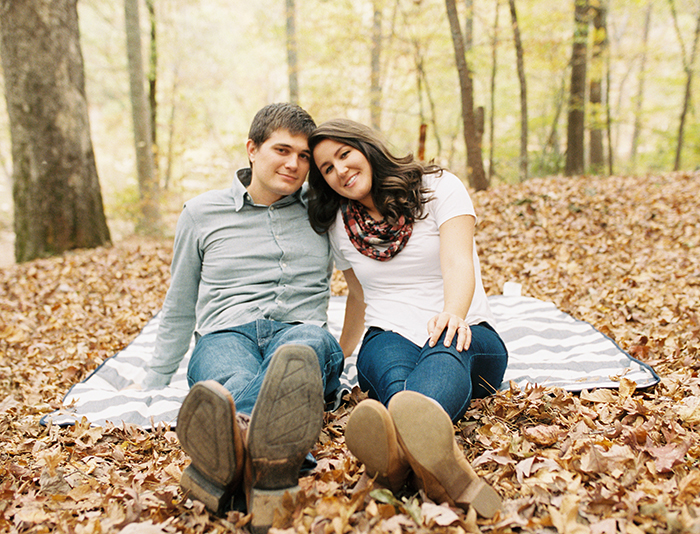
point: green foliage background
(221, 60)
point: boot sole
(371, 437)
(426, 433)
(285, 424)
(205, 428)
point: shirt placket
(277, 225)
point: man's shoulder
(210, 198)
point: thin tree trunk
(639, 99)
(148, 185)
(469, 25)
(475, 164)
(523, 92)
(492, 114)
(688, 67)
(577, 97)
(292, 57)
(171, 133)
(431, 102)
(553, 137)
(375, 91)
(56, 190)
(597, 121)
(153, 78)
(608, 112)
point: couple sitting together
(250, 278)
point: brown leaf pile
(621, 253)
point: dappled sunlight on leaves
(622, 253)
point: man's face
(280, 166)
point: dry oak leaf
(492, 456)
(689, 487)
(31, 514)
(668, 456)
(434, 514)
(599, 395)
(526, 468)
(543, 435)
(598, 460)
(565, 519)
(689, 410)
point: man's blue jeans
(238, 357)
(388, 363)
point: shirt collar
(241, 196)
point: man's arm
(178, 318)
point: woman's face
(345, 169)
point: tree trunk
(423, 86)
(148, 186)
(551, 153)
(469, 25)
(577, 97)
(375, 90)
(523, 92)
(57, 199)
(475, 164)
(292, 58)
(639, 100)
(597, 118)
(152, 79)
(688, 67)
(492, 115)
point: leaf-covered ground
(621, 253)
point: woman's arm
(354, 321)
(458, 280)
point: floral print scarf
(375, 239)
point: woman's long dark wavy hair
(397, 187)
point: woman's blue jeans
(388, 363)
(238, 357)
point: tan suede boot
(284, 426)
(371, 437)
(426, 435)
(208, 432)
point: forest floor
(622, 253)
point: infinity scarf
(366, 234)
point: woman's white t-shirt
(405, 292)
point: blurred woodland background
(539, 87)
(118, 111)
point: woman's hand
(452, 324)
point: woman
(403, 235)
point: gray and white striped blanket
(546, 346)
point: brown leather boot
(208, 432)
(426, 435)
(371, 437)
(284, 426)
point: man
(251, 279)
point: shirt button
(284, 265)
